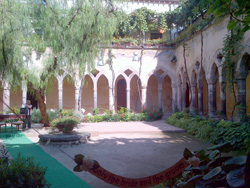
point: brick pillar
(200, 97)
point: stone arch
(102, 93)
(68, 92)
(165, 72)
(52, 98)
(243, 84)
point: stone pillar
(160, 96)
(174, 98)
(111, 99)
(95, 96)
(128, 97)
(144, 96)
(200, 97)
(24, 93)
(179, 97)
(211, 99)
(60, 93)
(223, 99)
(193, 102)
(78, 85)
(6, 97)
(183, 97)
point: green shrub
(53, 114)
(36, 116)
(238, 134)
(15, 109)
(66, 112)
(22, 172)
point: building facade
(158, 80)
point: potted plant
(65, 124)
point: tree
(70, 32)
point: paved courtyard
(130, 149)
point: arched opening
(152, 93)
(68, 93)
(121, 93)
(215, 81)
(167, 98)
(88, 95)
(135, 94)
(102, 94)
(52, 100)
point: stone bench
(17, 124)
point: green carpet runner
(57, 175)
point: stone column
(241, 94)
(193, 102)
(144, 96)
(179, 97)
(60, 93)
(95, 95)
(128, 97)
(111, 99)
(223, 99)
(77, 94)
(183, 97)
(160, 96)
(24, 93)
(211, 99)
(174, 98)
(6, 97)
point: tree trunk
(42, 106)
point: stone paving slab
(128, 127)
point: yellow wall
(88, 95)
(68, 93)
(152, 93)
(102, 94)
(52, 94)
